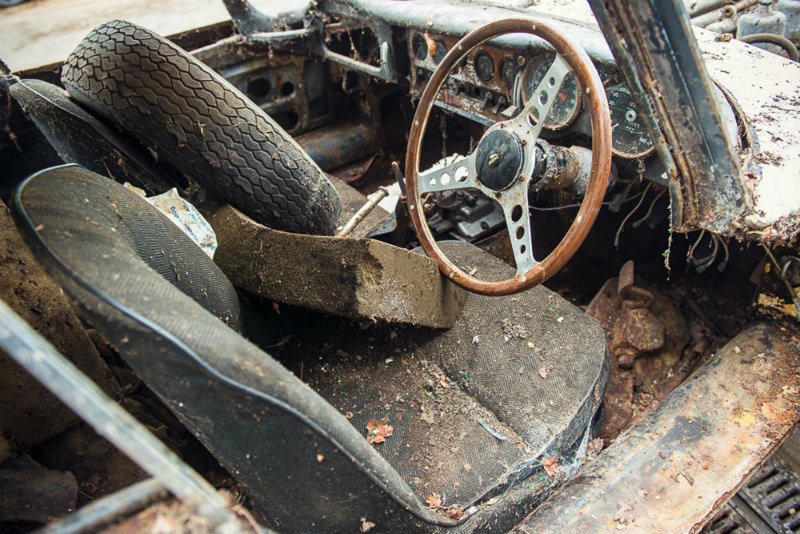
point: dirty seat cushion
(474, 407)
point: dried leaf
(430, 21)
(550, 465)
(543, 372)
(455, 512)
(366, 526)
(433, 500)
(320, 458)
(276, 307)
(443, 382)
(378, 431)
(349, 415)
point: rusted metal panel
(654, 47)
(36, 495)
(765, 87)
(673, 470)
(339, 144)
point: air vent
(768, 503)
(775, 492)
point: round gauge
(507, 72)
(420, 47)
(628, 134)
(439, 52)
(568, 101)
(484, 66)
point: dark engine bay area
(320, 374)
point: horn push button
(499, 159)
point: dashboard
(493, 83)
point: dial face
(628, 133)
(420, 47)
(507, 72)
(440, 52)
(568, 100)
(484, 66)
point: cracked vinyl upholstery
(201, 125)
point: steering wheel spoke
(518, 221)
(529, 122)
(459, 174)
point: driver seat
(476, 410)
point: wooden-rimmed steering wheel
(502, 164)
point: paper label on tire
(185, 216)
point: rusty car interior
(406, 266)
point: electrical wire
(629, 215)
(706, 262)
(772, 38)
(690, 255)
(638, 223)
(568, 206)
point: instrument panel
(569, 100)
(493, 84)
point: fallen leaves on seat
(550, 465)
(433, 500)
(378, 431)
(543, 372)
(455, 512)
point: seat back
(129, 270)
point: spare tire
(201, 125)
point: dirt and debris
(513, 330)
(646, 335)
(173, 516)
(378, 431)
(543, 372)
(366, 526)
(768, 158)
(594, 447)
